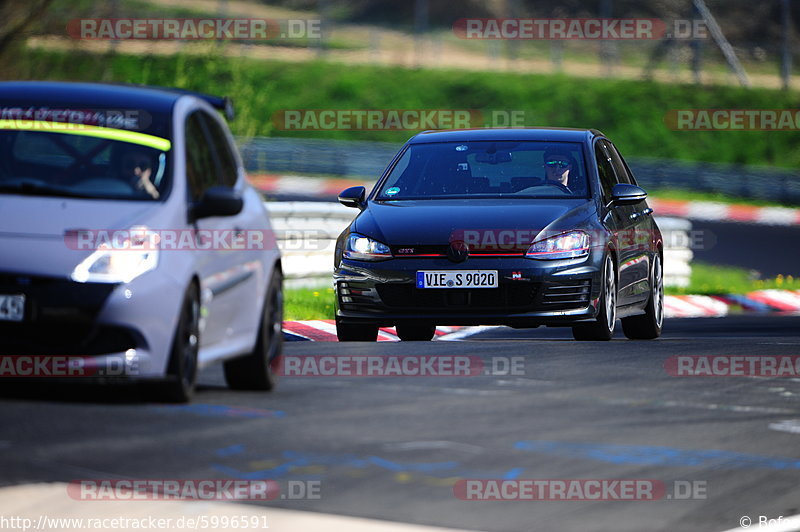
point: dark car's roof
(501, 134)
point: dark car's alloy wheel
(356, 332)
(182, 369)
(603, 326)
(648, 325)
(256, 371)
(419, 332)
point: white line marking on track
(464, 333)
(787, 425)
(439, 444)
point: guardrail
(677, 250)
(306, 232)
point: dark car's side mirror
(626, 194)
(218, 201)
(353, 197)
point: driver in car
(558, 164)
(137, 169)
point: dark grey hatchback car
(518, 227)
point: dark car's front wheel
(415, 332)
(648, 325)
(603, 327)
(356, 332)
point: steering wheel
(559, 186)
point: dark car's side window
(621, 169)
(607, 177)
(222, 149)
(201, 172)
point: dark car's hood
(436, 222)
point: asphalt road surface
(392, 447)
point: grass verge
(308, 304)
(675, 194)
(711, 279)
(633, 113)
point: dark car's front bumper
(530, 292)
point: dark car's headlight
(571, 245)
(360, 247)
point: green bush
(630, 112)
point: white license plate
(12, 308)
(457, 279)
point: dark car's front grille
(517, 296)
(566, 294)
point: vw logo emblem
(458, 251)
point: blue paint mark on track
(656, 455)
(223, 411)
(294, 460)
(231, 450)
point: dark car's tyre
(648, 325)
(182, 366)
(603, 327)
(415, 332)
(352, 332)
(256, 371)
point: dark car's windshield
(83, 162)
(518, 169)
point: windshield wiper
(33, 189)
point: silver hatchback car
(132, 246)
